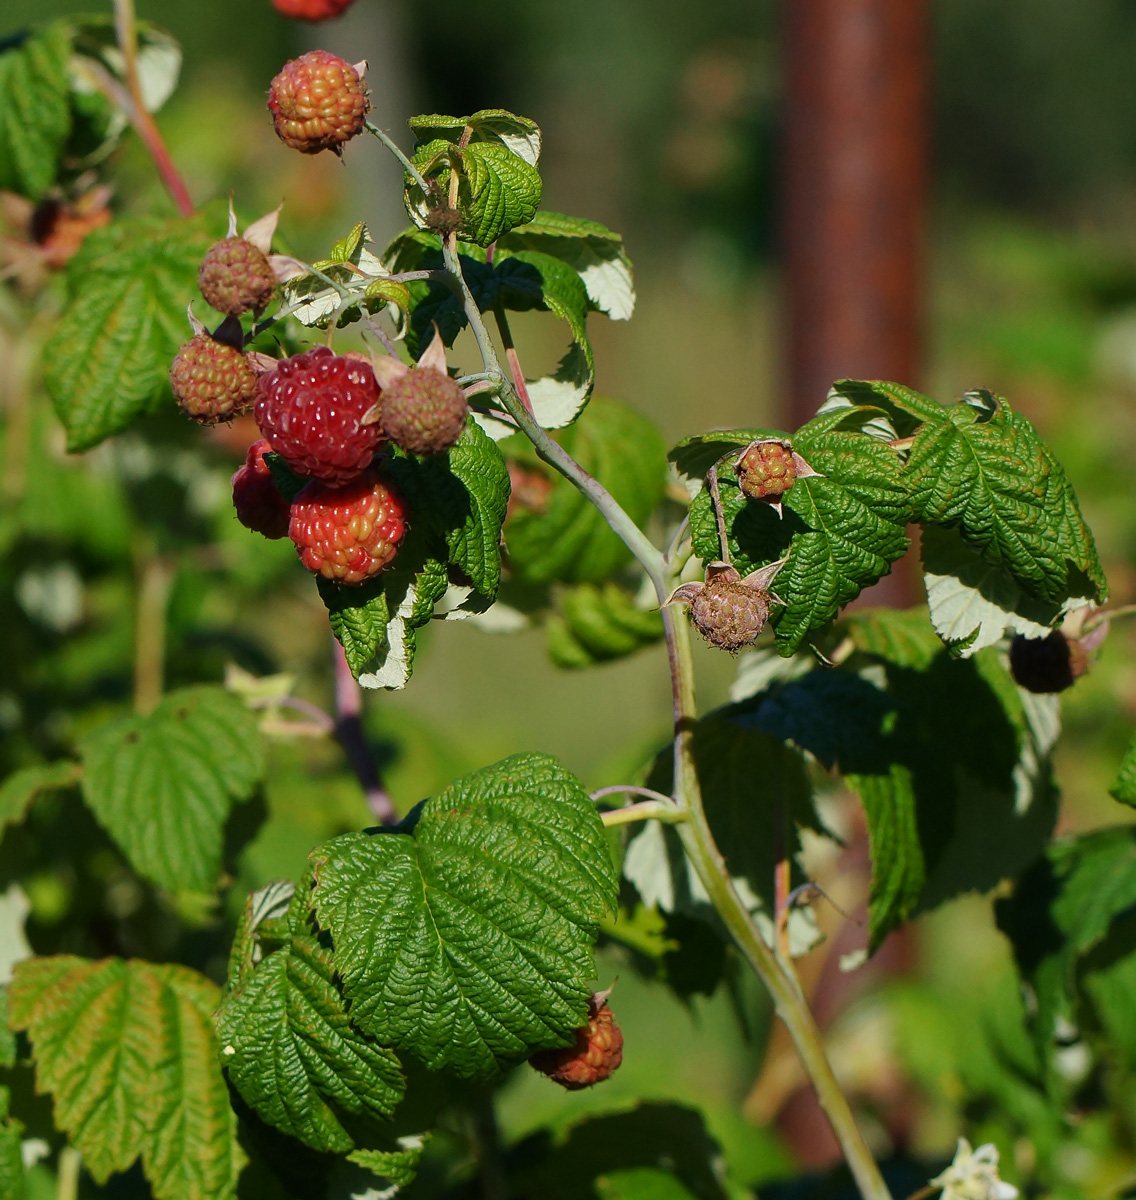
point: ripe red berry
(235, 277)
(259, 504)
(311, 408)
(312, 10)
(317, 102)
(592, 1058)
(211, 380)
(424, 411)
(350, 533)
(1049, 664)
(766, 468)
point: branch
(665, 812)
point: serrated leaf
(359, 616)
(162, 785)
(595, 623)
(467, 939)
(107, 361)
(397, 1167)
(504, 191)
(35, 117)
(21, 787)
(973, 602)
(519, 134)
(1124, 786)
(986, 472)
(840, 530)
(292, 1052)
(693, 457)
(128, 1052)
(568, 540)
(11, 1156)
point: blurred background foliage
(661, 120)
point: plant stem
(67, 1174)
(144, 124)
(666, 812)
(631, 789)
(511, 356)
(697, 837)
(719, 517)
(155, 578)
(312, 711)
(349, 733)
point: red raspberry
(259, 504)
(212, 381)
(350, 533)
(592, 1058)
(235, 277)
(311, 408)
(424, 411)
(317, 102)
(311, 10)
(766, 469)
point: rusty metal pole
(855, 182)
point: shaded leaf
(21, 787)
(35, 116)
(1124, 786)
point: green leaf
(359, 615)
(1061, 910)
(11, 1157)
(1124, 786)
(598, 623)
(504, 191)
(128, 1052)
(292, 1052)
(518, 134)
(986, 472)
(642, 1183)
(107, 361)
(840, 530)
(567, 539)
(162, 785)
(397, 1167)
(21, 787)
(35, 117)
(901, 636)
(465, 937)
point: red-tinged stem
(144, 124)
(350, 735)
(511, 356)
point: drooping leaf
(985, 471)
(162, 785)
(493, 125)
(465, 937)
(1124, 786)
(597, 623)
(359, 616)
(840, 531)
(107, 361)
(128, 1052)
(397, 1168)
(566, 539)
(21, 787)
(292, 1052)
(35, 117)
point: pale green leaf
(465, 937)
(128, 1053)
(21, 787)
(1124, 786)
(162, 785)
(35, 117)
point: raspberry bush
(378, 997)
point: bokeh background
(664, 120)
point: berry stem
(664, 811)
(393, 147)
(145, 126)
(719, 518)
(349, 733)
(551, 452)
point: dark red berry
(212, 381)
(424, 411)
(350, 533)
(592, 1057)
(259, 504)
(318, 102)
(311, 10)
(1049, 664)
(235, 277)
(766, 468)
(311, 408)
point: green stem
(665, 812)
(67, 1174)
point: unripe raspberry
(424, 412)
(317, 102)
(350, 533)
(592, 1058)
(1049, 664)
(259, 504)
(235, 277)
(766, 468)
(311, 10)
(312, 408)
(212, 381)
(729, 613)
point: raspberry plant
(440, 951)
